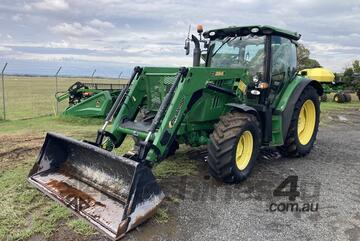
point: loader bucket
(113, 193)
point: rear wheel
(234, 147)
(323, 98)
(339, 98)
(304, 125)
(347, 97)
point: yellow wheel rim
(306, 122)
(244, 150)
(336, 99)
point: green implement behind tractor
(244, 97)
(89, 99)
(327, 79)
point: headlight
(255, 92)
(255, 30)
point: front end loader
(245, 95)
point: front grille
(158, 87)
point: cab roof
(245, 30)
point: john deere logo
(98, 104)
(218, 73)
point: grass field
(25, 212)
(28, 97)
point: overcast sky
(112, 36)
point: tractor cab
(268, 54)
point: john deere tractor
(243, 96)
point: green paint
(283, 99)
(191, 127)
(97, 105)
(277, 133)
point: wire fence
(3, 104)
(24, 97)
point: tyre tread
(222, 142)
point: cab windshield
(246, 52)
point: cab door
(283, 65)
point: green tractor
(89, 99)
(246, 95)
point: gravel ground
(200, 208)
(328, 177)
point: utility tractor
(246, 95)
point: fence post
(120, 77)
(92, 76)
(56, 89)
(3, 90)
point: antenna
(187, 42)
(188, 36)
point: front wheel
(234, 147)
(304, 125)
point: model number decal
(177, 112)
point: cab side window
(283, 64)
(283, 59)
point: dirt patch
(22, 137)
(347, 117)
(15, 149)
(64, 233)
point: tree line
(350, 77)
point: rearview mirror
(187, 46)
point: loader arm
(183, 94)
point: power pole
(3, 90)
(56, 89)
